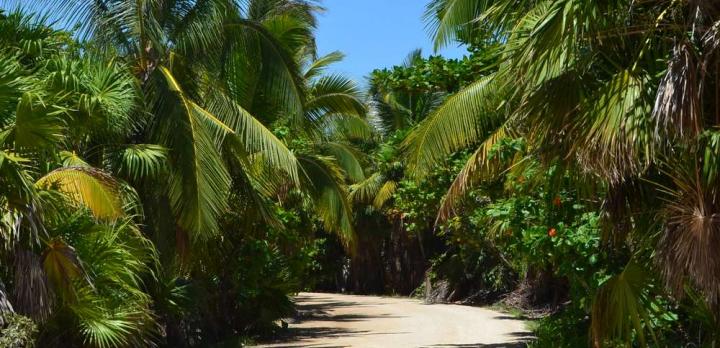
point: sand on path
(333, 321)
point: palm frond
(32, 293)
(677, 105)
(691, 232)
(384, 194)
(198, 31)
(619, 137)
(72, 159)
(98, 191)
(6, 307)
(463, 120)
(347, 158)
(349, 128)
(109, 95)
(142, 161)
(113, 310)
(279, 78)
(36, 124)
(199, 182)
(61, 266)
(325, 182)
(366, 190)
(334, 95)
(446, 18)
(13, 83)
(253, 135)
(320, 65)
(620, 309)
(479, 166)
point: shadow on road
(317, 309)
(321, 318)
(522, 340)
(480, 345)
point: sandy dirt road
(333, 321)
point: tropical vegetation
(172, 172)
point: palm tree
(184, 56)
(395, 108)
(622, 92)
(334, 118)
(53, 104)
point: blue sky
(374, 33)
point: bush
(19, 332)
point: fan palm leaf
(90, 187)
(141, 161)
(619, 310)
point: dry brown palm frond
(33, 295)
(625, 210)
(688, 247)
(678, 109)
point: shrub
(19, 332)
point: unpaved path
(333, 321)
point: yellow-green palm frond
(375, 190)
(366, 190)
(61, 266)
(384, 193)
(72, 159)
(90, 187)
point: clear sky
(374, 33)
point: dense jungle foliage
(172, 172)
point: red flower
(552, 232)
(557, 201)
